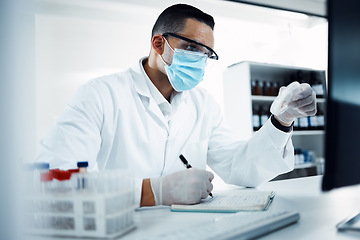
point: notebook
(230, 202)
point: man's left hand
(294, 101)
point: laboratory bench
(320, 212)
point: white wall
(77, 43)
(79, 40)
(17, 104)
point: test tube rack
(99, 205)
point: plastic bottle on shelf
(303, 123)
(267, 88)
(271, 89)
(313, 124)
(296, 125)
(256, 119)
(301, 156)
(261, 87)
(258, 88)
(276, 88)
(264, 115)
(320, 119)
(308, 156)
(316, 84)
(298, 156)
(253, 85)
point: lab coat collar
(140, 77)
(178, 99)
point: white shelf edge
(262, 98)
(308, 132)
(272, 98)
(304, 165)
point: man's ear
(157, 43)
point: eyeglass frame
(214, 57)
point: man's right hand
(188, 186)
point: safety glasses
(192, 45)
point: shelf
(262, 98)
(304, 165)
(238, 83)
(308, 132)
(272, 98)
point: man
(143, 119)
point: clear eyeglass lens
(194, 56)
(193, 47)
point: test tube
(40, 168)
(82, 170)
(82, 166)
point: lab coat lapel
(149, 103)
(183, 114)
(156, 113)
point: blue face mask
(186, 70)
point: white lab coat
(122, 121)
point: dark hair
(172, 19)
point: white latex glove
(188, 186)
(294, 101)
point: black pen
(187, 164)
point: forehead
(199, 32)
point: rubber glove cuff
(156, 187)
